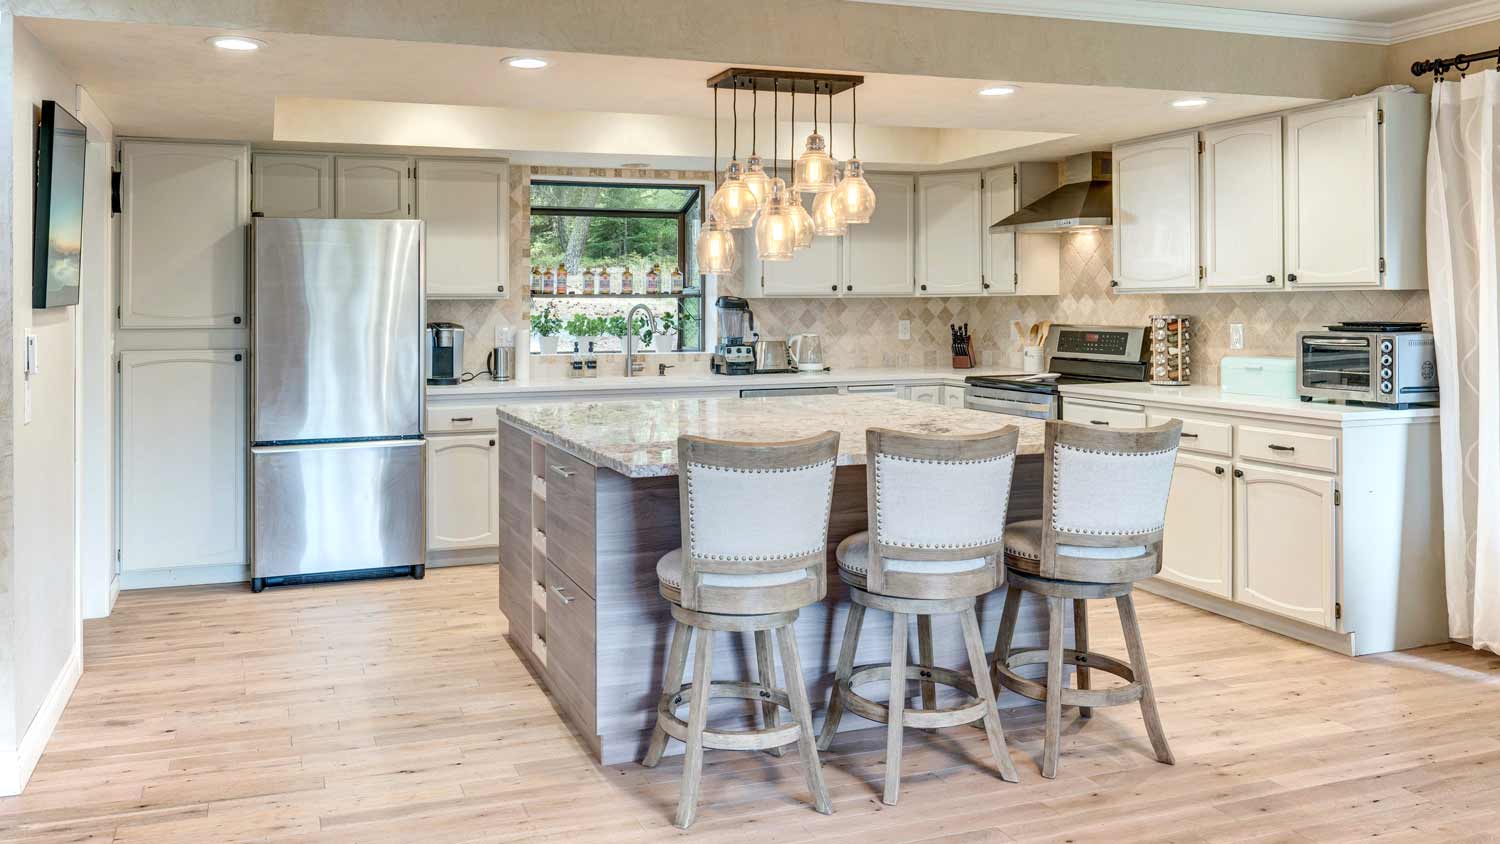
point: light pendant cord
(714, 165)
(754, 114)
(854, 126)
(792, 159)
(830, 123)
(775, 127)
(735, 140)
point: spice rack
(1171, 360)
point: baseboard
(16, 765)
(463, 557)
(184, 576)
(1332, 640)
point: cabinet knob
(236, 320)
(1113, 283)
(1291, 278)
(1218, 470)
(500, 288)
(834, 288)
(239, 357)
(985, 285)
(1270, 279)
(1239, 473)
(924, 287)
(492, 445)
(849, 288)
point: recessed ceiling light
(998, 91)
(236, 43)
(1191, 102)
(526, 62)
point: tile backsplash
(860, 332)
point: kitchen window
(599, 249)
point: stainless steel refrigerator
(336, 398)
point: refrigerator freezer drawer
(337, 507)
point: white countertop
(639, 438)
(482, 388)
(1208, 397)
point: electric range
(1074, 354)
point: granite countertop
(638, 439)
(483, 388)
(1208, 397)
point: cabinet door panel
(1285, 542)
(1000, 201)
(880, 253)
(949, 249)
(182, 459)
(1156, 214)
(183, 212)
(1242, 205)
(286, 185)
(466, 206)
(374, 188)
(814, 271)
(1333, 195)
(463, 489)
(1197, 550)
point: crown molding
(1215, 19)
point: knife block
(963, 362)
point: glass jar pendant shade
(734, 203)
(828, 215)
(802, 222)
(855, 198)
(814, 172)
(716, 250)
(756, 180)
(774, 234)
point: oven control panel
(1097, 342)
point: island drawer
(481, 418)
(570, 646)
(1201, 435)
(570, 517)
(1293, 448)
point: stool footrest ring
(967, 712)
(1037, 689)
(715, 739)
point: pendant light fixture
(715, 243)
(855, 197)
(802, 222)
(827, 212)
(774, 236)
(733, 201)
(755, 177)
(814, 171)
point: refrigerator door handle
(283, 449)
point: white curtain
(1463, 262)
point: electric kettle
(807, 352)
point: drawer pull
(1218, 470)
(462, 419)
(1275, 447)
(1190, 436)
(564, 471)
(1097, 422)
(562, 596)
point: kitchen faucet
(632, 366)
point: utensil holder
(1033, 360)
(1171, 360)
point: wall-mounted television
(58, 236)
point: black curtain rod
(1461, 62)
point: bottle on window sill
(653, 279)
(588, 283)
(604, 280)
(627, 281)
(562, 279)
(548, 282)
(536, 279)
(676, 281)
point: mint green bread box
(1273, 377)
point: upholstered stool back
(1105, 501)
(755, 523)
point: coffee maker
(734, 355)
(444, 353)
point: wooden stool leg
(852, 625)
(1007, 632)
(1081, 645)
(1137, 649)
(1053, 743)
(895, 709)
(765, 660)
(974, 642)
(682, 635)
(692, 759)
(796, 689)
(924, 655)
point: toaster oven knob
(1385, 387)
(1385, 360)
(1385, 374)
(1386, 346)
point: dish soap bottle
(575, 366)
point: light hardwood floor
(393, 711)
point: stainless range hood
(1086, 200)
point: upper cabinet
(950, 252)
(1242, 205)
(878, 255)
(814, 271)
(183, 212)
(1156, 213)
(292, 184)
(1019, 264)
(466, 206)
(373, 187)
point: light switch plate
(903, 330)
(31, 365)
(1236, 335)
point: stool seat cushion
(669, 571)
(1023, 547)
(854, 558)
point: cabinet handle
(1291, 278)
(1239, 473)
(1275, 447)
(1189, 436)
(1270, 279)
(1218, 470)
(562, 596)
(462, 419)
(1097, 422)
(564, 471)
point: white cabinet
(373, 187)
(1198, 550)
(1156, 214)
(182, 459)
(953, 397)
(463, 490)
(929, 393)
(1103, 414)
(949, 246)
(292, 184)
(466, 206)
(878, 255)
(183, 212)
(814, 271)
(1020, 264)
(1285, 542)
(1242, 231)
(1333, 195)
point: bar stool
(937, 519)
(754, 553)
(1104, 505)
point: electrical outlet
(903, 330)
(1236, 335)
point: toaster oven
(1386, 368)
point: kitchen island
(589, 504)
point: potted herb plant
(670, 326)
(545, 324)
(615, 326)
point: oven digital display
(1093, 342)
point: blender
(734, 354)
